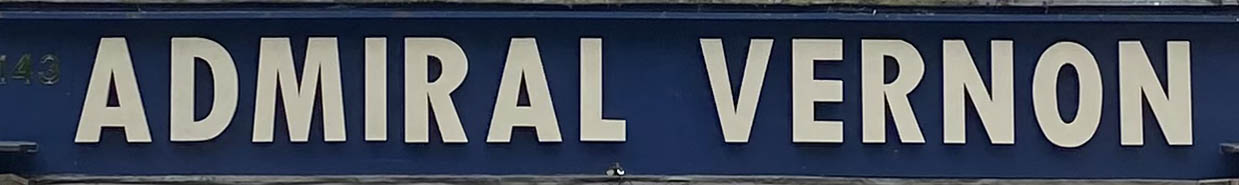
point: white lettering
(1137, 79)
(419, 91)
(376, 89)
(275, 60)
(1045, 94)
(960, 75)
(593, 127)
(113, 64)
(524, 63)
(806, 91)
(223, 74)
(736, 119)
(876, 94)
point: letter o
(1045, 94)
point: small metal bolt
(615, 170)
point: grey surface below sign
(10, 179)
(756, 2)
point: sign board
(477, 92)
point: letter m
(322, 62)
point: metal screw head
(615, 170)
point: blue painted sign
(560, 93)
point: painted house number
(46, 71)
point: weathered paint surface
(674, 129)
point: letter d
(224, 74)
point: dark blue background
(654, 78)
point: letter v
(736, 119)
